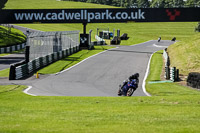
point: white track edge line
(27, 89)
(146, 75)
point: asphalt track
(100, 75)
(6, 61)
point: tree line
(146, 3)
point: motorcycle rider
(132, 77)
(136, 77)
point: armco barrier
(193, 80)
(167, 64)
(12, 48)
(19, 71)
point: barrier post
(12, 73)
(27, 52)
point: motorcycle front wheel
(130, 91)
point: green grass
(13, 38)
(156, 66)
(50, 4)
(22, 113)
(4, 73)
(185, 55)
(4, 54)
(71, 60)
(171, 89)
(164, 89)
(138, 32)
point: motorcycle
(128, 88)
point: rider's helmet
(134, 76)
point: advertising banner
(113, 15)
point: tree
(178, 3)
(167, 3)
(2, 3)
(192, 3)
(158, 3)
(143, 3)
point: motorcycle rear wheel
(119, 92)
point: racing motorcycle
(128, 88)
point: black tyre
(130, 92)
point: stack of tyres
(124, 36)
(115, 40)
(193, 80)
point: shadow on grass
(8, 38)
(73, 59)
(10, 89)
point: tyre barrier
(22, 70)
(124, 36)
(98, 43)
(116, 40)
(12, 48)
(193, 80)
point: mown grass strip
(5, 72)
(8, 88)
(51, 4)
(156, 66)
(11, 38)
(4, 54)
(164, 89)
(22, 113)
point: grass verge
(23, 113)
(12, 38)
(5, 72)
(51, 4)
(4, 54)
(185, 55)
(72, 60)
(164, 89)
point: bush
(193, 80)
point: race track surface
(6, 61)
(101, 74)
